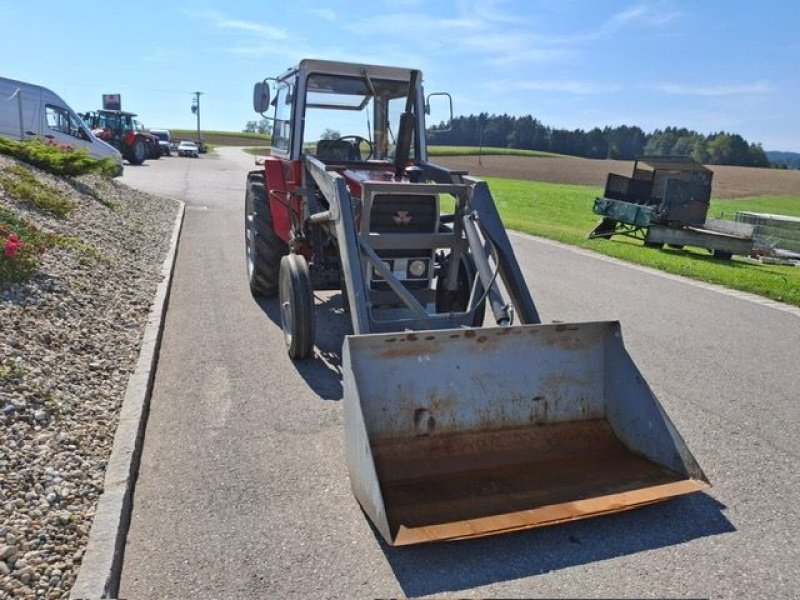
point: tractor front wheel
(297, 306)
(138, 152)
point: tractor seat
(336, 150)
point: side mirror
(261, 97)
(443, 109)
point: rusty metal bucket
(470, 432)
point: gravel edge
(100, 570)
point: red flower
(13, 244)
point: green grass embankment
(564, 213)
(221, 138)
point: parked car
(164, 140)
(29, 111)
(188, 149)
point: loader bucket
(464, 433)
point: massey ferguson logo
(402, 217)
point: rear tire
(297, 306)
(457, 301)
(263, 248)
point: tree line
(623, 142)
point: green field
(564, 213)
(220, 138)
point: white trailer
(29, 111)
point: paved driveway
(243, 489)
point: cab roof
(313, 65)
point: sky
(708, 65)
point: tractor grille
(399, 213)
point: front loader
(465, 416)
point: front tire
(263, 247)
(138, 152)
(297, 306)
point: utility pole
(196, 111)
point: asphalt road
(243, 488)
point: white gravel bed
(69, 339)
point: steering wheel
(357, 140)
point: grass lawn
(258, 151)
(564, 213)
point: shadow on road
(323, 372)
(453, 566)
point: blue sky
(708, 65)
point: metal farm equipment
(454, 429)
(666, 202)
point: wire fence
(775, 231)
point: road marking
(793, 310)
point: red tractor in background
(120, 129)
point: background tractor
(119, 129)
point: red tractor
(459, 422)
(118, 128)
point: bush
(23, 185)
(58, 159)
(21, 247)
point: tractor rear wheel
(297, 306)
(264, 248)
(138, 152)
(458, 300)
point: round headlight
(417, 268)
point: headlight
(417, 268)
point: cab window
(61, 120)
(283, 114)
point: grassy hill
(790, 159)
(221, 138)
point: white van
(29, 111)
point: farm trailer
(453, 429)
(666, 202)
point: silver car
(188, 149)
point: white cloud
(222, 21)
(682, 89)
(581, 88)
(638, 15)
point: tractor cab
(344, 113)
